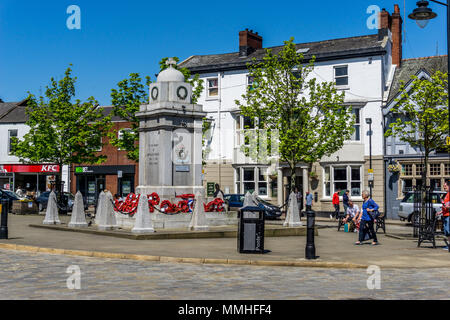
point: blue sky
(121, 37)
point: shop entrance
(90, 187)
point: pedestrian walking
(309, 201)
(367, 221)
(218, 193)
(445, 213)
(345, 200)
(336, 202)
(299, 196)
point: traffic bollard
(4, 220)
(310, 251)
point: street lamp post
(422, 15)
(369, 122)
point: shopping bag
(347, 227)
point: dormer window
(341, 76)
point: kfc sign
(50, 168)
(42, 168)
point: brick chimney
(394, 24)
(249, 42)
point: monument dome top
(170, 74)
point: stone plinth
(180, 221)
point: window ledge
(342, 87)
(212, 98)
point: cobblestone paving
(43, 276)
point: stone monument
(292, 214)
(170, 139)
(51, 215)
(78, 219)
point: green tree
(309, 118)
(421, 116)
(62, 131)
(130, 94)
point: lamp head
(422, 14)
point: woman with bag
(369, 213)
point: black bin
(251, 230)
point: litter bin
(251, 230)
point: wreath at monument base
(185, 205)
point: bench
(381, 223)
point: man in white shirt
(353, 213)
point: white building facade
(362, 67)
(13, 173)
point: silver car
(406, 209)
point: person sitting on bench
(352, 212)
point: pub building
(36, 178)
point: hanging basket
(394, 168)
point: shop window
(238, 181)
(356, 182)
(343, 178)
(407, 185)
(436, 184)
(340, 178)
(251, 180)
(262, 182)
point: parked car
(236, 202)
(10, 196)
(406, 209)
(42, 200)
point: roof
(368, 45)
(11, 112)
(412, 67)
(17, 113)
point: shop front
(33, 179)
(91, 180)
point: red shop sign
(41, 168)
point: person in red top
(336, 205)
(446, 213)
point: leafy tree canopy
(62, 131)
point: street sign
(119, 174)
(448, 141)
(210, 188)
(370, 178)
